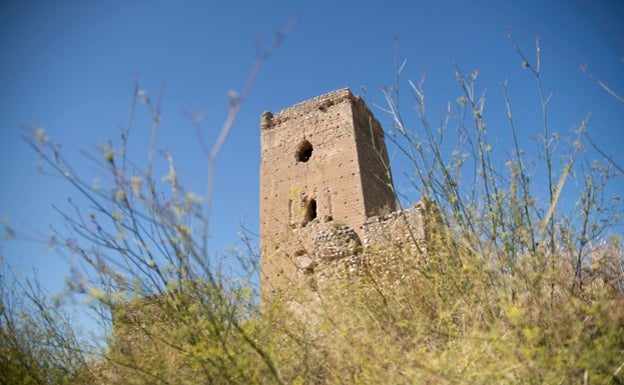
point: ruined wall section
(406, 230)
(339, 250)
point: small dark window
(304, 151)
(310, 211)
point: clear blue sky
(70, 66)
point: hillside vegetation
(515, 286)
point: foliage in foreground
(38, 344)
(459, 322)
(513, 289)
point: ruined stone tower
(324, 166)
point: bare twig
(602, 85)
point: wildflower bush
(512, 288)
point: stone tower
(324, 165)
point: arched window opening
(310, 211)
(304, 151)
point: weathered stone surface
(306, 264)
(326, 191)
(405, 228)
(337, 242)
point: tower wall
(324, 164)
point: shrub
(511, 289)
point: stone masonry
(326, 191)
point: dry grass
(512, 290)
(463, 322)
